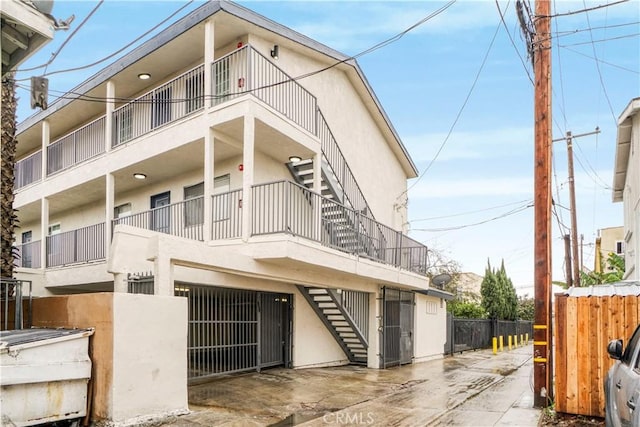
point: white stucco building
(205, 170)
(626, 183)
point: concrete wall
(139, 359)
(430, 327)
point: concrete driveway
(474, 388)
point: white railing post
(108, 120)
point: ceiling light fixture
(139, 175)
(144, 76)
(295, 159)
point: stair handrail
(338, 301)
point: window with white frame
(194, 204)
(122, 210)
(222, 198)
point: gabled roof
(198, 16)
(623, 144)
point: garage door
(234, 330)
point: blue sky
(471, 203)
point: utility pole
(572, 207)
(575, 245)
(541, 46)
(567, 260)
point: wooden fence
(584, 326)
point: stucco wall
(139, 365)
(430, 327)
(85, 311)
(631, 204)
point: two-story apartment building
(250, 169)
(626, 183)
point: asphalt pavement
(475, 388)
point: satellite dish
(440, 280)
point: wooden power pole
(542, 372)
(572, 206)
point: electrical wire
(600, 60)
(558, 34)
(582, 10)
(459, 227)
(526, 70)
(116, 52)
(624, 36)
(73, 33)
(457, 118)
(472, 212)
(562, 99)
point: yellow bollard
(495, 345)
(510, 339)
(501, 343)
(527, 337)
(515, 341)
(522, 340)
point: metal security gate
(233, 330)
(397, 331)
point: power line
(471, 212)
(73, 33)
(595, 55)
(455, 122)
(459, 227)
(526, 70)
(582, 10)
(84, 97)
(624, 36)
(600, 60)
(114, 53)
(559, 34)
(564, 107)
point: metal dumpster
(43, 375)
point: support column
(209, 178)
(317, 187)
(46, 138)
(108, 121)
(374, 351)
(44, 231)
(120, 282)
(209, 56)
(247, 174)
(163, 275)
(109, 206)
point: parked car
(622, 383)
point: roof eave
(623, 144)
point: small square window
(122, 211)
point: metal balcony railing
(287, 207)
(28, 255)
(247, 71)
(75, 246)
(174, 100)
(13, 294)
(227, 215)
(76, 147)
(182, 219)
(28, 170)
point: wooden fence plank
(560, 352)
(583, 350)
(596, 354)
(572, 362)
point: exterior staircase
(326, 303)
(343, 229)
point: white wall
(631, 202)
(149, 357)
(430, 327)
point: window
(194, 87)
(221, 81)
(619, 247)
(161, 107)
(26, 252)
(54, 229)
(630, 351)
(122, 211)
(194, 204)
(222, 202)
(123, 125)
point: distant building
(609, 240)
(626, 183)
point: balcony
(285, 207)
